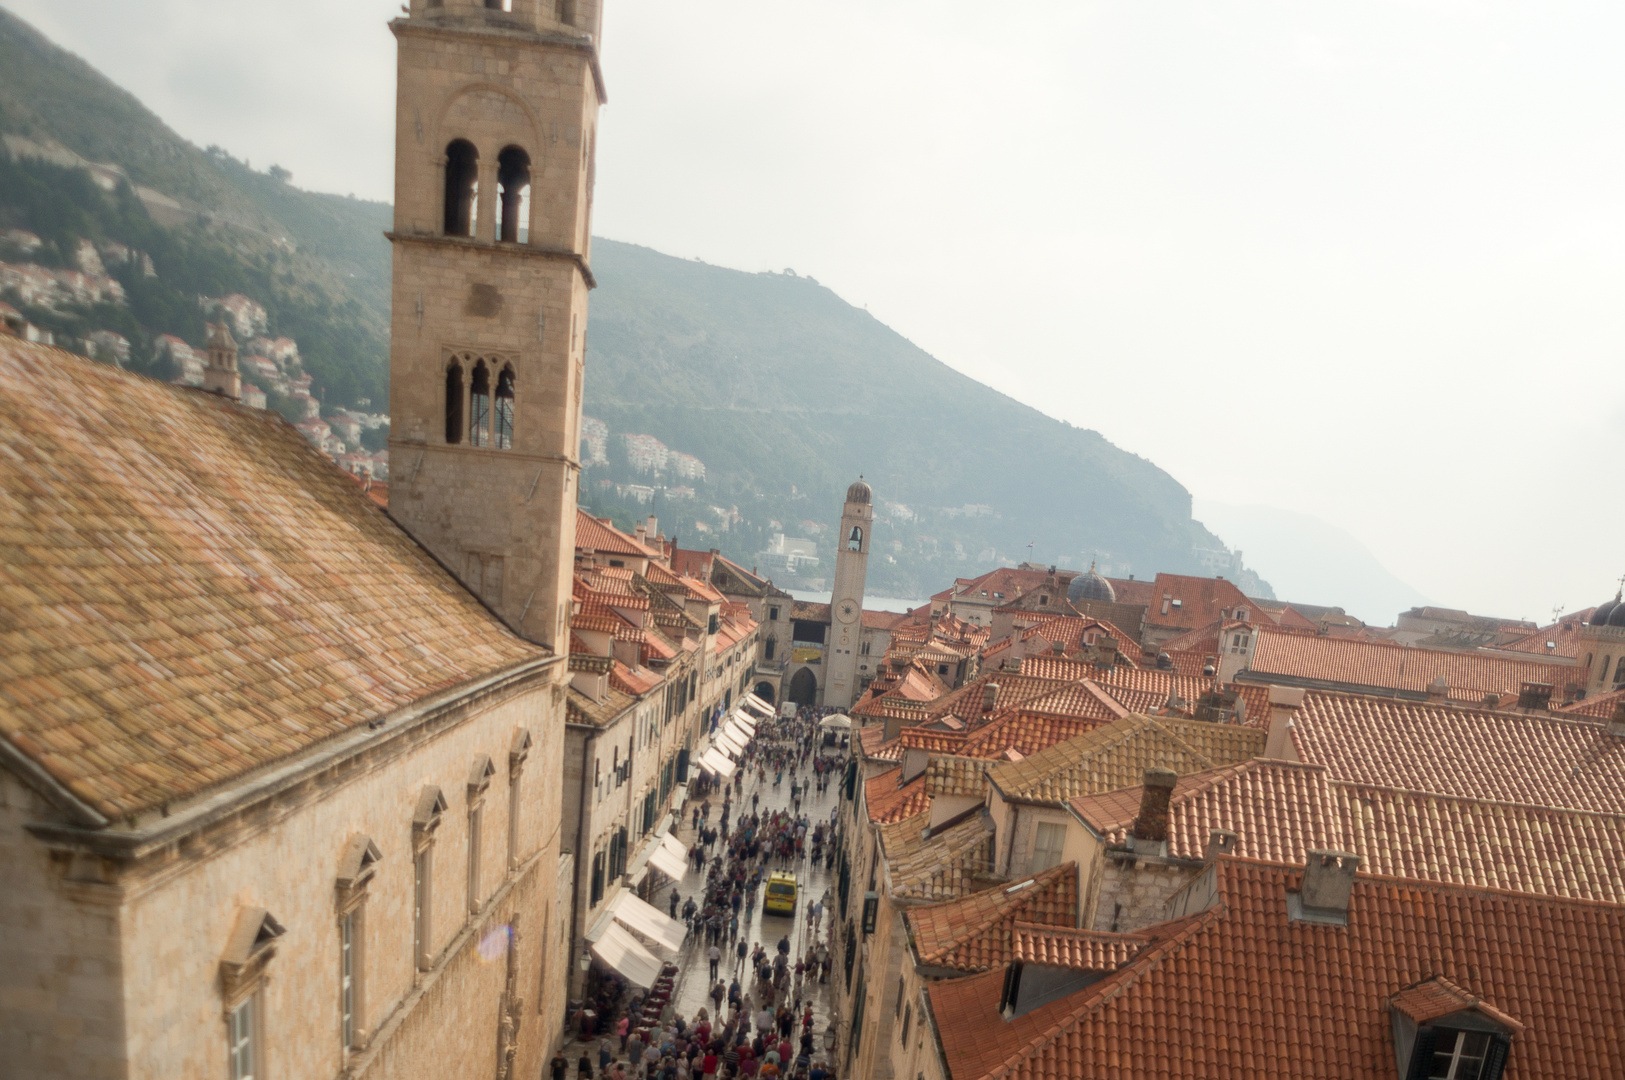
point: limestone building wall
(1134, 893)
(132, 978)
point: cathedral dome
(860, 493)
(1091, 586)
(1612, 613)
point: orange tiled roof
(1069, 947)
(1242, 991)
(1438, 997)
(189, 591)
(593, 534)
(1563, 637)
(1116, 755)
(946, 865)
(1353, 663)
(637, 682)
(1600, 707)
(1502, 757)
(888, 801)
(977, 932)
(1201, 600)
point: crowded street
(749, 996)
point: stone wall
(1142, 888)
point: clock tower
(846, 600)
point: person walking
(560, 1065)
(741, 951)
(716, 956)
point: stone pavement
(694, 984)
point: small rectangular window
(241, 1042)
(476, 818)
(1458, 1055)
(347, 979)
(422, 886)
(1047, 846)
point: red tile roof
(1241, 990)
(1600, 707)
(1438, 997)
(594, 534)
(1501, 757)
(189, 591)
(888, 801)
(1385, 664)
(1200, 600)
(1068, 947)
(977, 932)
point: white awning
(718, 762)
(729, 743)
(621, 951)
(836, 722)
(744, 720)
(647, 920)
(758, 706)
(740, 730)
(672, 865)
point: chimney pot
(1152, 823)
(990, 696)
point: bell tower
(496, 113)
(846, 599)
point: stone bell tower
(496, 112)
(846, 599)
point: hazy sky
(1362, 261)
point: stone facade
(500, 86)
(1134, 890)
(846, 600)
(114, 943)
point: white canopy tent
(718, 762)
(835, 722)
(670, 858)
(647, 920)
(620, 950)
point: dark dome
(860, 493)
(1601, 616)
(1615, 617)
(1091, 586)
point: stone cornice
(513, 34)
(471, 244)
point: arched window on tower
(454, 403)
(504, 416)
(769, 647)
(479, 406)
(513, 182)
(854, 542)
(462, 187)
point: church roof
(190, 591)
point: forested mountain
(784, 391)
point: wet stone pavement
(693, 981)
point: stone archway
(804, 687)
(765, 691)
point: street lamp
(586, 960)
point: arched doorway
(804, 687)
(764, 690)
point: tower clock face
(847, 611)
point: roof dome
(1607, 613)
(860, 493)
(1091, 586)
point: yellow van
(781, 893)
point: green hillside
(785, 391)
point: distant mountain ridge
(783, 389)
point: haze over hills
(783, 389)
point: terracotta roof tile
(1241, 990)
(188, 590)
(1502, 757)
(888, 801)
(1389, 665)
(948, 864)
(593, 534)
(1068, 947)
(1116, 755)
(976, 933)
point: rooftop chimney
(1284, 703)
(1151, 826)
(1220, 842)
(639, 532)
(990, 696)
(1438, 691)
(1328, 881)
(1616, 723)
(1535, 695)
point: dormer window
(1442, 1032)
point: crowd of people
(760, 1023)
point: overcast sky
(1361, 261)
